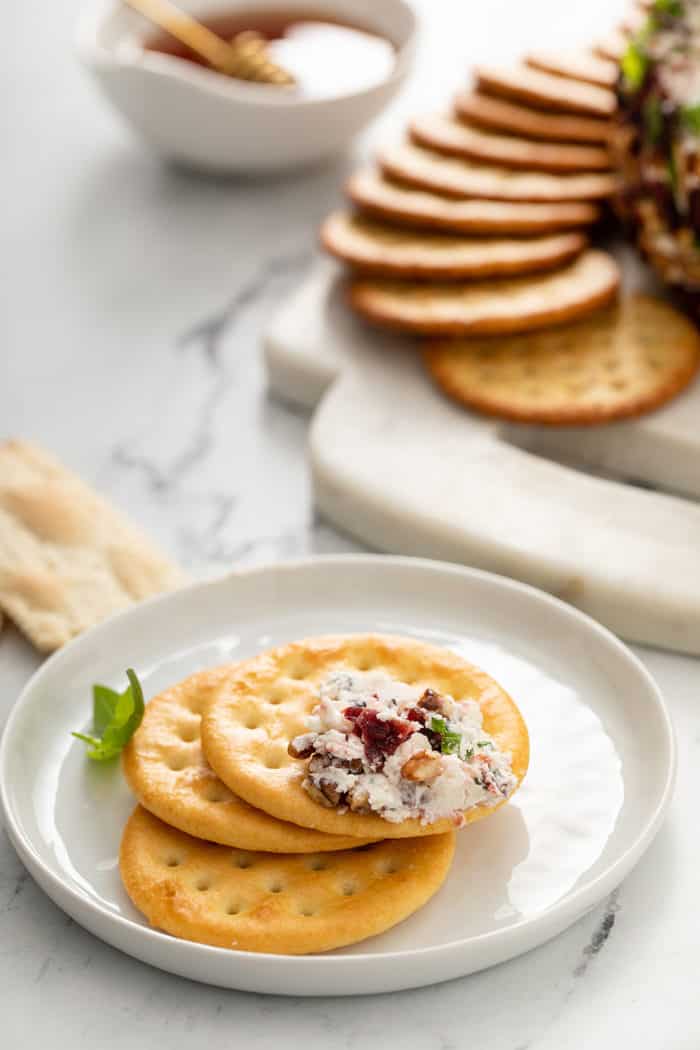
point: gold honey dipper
(245, 57)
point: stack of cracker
(227, 848)
(477, 226)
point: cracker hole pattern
(298, 671)
(173, 860)
(275, 759)
(242, 861)
(276, 695)
(216, 793)
(317, 864)
(203, 884)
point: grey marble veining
(133, 299)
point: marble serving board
(404, 470)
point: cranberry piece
(353, 713)
(380, 737)
(416, 715)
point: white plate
(600, 778)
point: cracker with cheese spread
(366, 735)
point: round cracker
(373, 247)
(489, 307)
(545, 90)
(458, 177)
(167, 771)
(576, 65)
(378, 196)
(499, 115)
(246, 737)
(621, 362)
(613, 46)
(459, 139)
(285, 903)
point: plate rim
(572, 906)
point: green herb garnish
(634, 65)
(484, 743)
(115, 717)
(450, 742)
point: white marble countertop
(133, 299)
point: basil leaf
(104, 701)
(484, 743)
(674, 8)
(116, 717)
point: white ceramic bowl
(199, 118)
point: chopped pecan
(423, 767)
(430, 700)
(358, 800)
(318, 796)
(299, 752)
(415, 714)
(332, 793)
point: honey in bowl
(325, 57)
